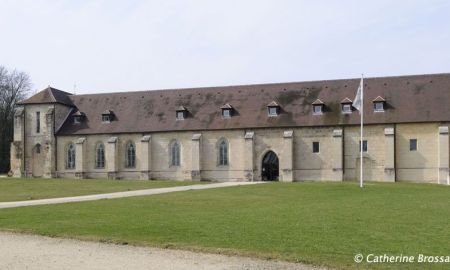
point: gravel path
(21, 251)
(115, 195)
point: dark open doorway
(270, 167)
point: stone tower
(36, 120)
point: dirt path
(115, 195)
(20, 251)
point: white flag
(357, 102)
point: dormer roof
(107, 112)
(226, 106)
(181, 108)
(379, 99)
(78, 113)
(273, 104)
(49, 95)
(318, 102)
(346, 101)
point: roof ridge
(260, 84)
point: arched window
(100, 156)
(223, 153)
(70, 156)
(38, 148)
(130, 158)
(175, 154)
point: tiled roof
(421, 98)
(49, 95)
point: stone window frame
(70, 156)
(100, 157)
(223, 154)
(175, 148)
(130, 155)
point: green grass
(317, 223)
(32, 189)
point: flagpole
(361, 181)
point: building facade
(282, 132)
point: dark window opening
(316, 147)
(413, 145)
(106, 118)
(38, 122)
(364, 146)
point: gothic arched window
(175, 154)
(70, 156)
(130, 157)
(100, 156)
(223, 153)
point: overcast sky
(106, 46)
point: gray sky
(107, 46)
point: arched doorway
(38, 161)
(270, 167)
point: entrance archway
(38, 161)
(270, 167)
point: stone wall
(388, 157)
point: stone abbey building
(285, 131)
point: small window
(273, 111)
(226, 113)
(346, 108)
(38, 122)
(364, 146)
(317, 109)
(180, 115)
(106, 118)
(413, 145)
(316, 147)
(378, 106)
(76, 119)
(38, 148)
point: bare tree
(14, 86)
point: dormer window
(107, 116)
(273, 109)
(346, 105)
(378, 104)
(227, 111)
(181, 113)
(317, 107)
(78, 117)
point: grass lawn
(318, 223)
(13, 189)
